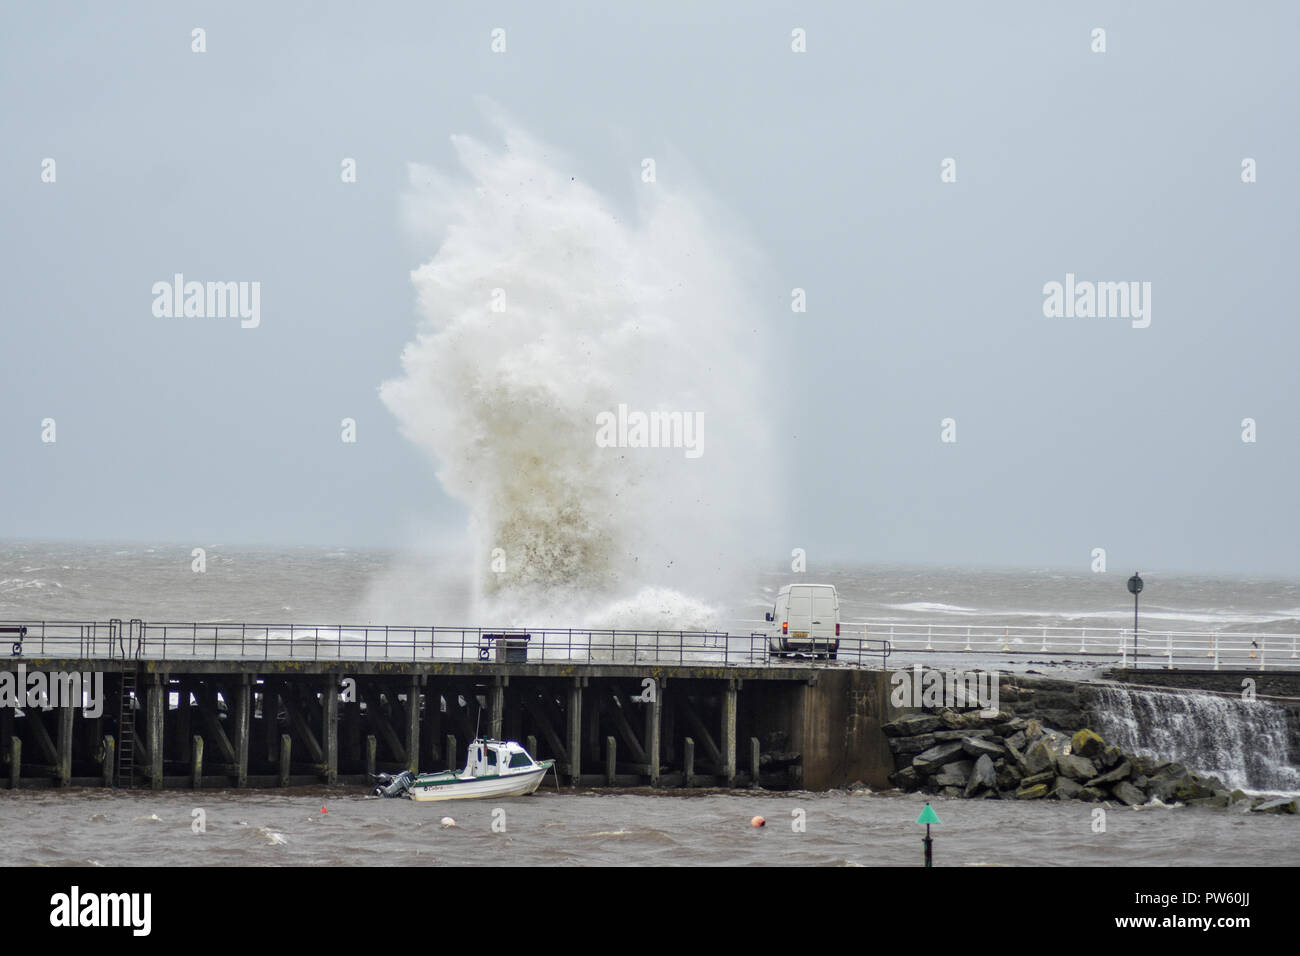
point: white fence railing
(1230, 650)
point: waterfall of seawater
(1244, 743)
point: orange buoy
(323, 810)
(758, 822)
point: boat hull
(511, 785)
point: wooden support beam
(36, 723)
(496, 708)
(431, 736)
(243, 720)
(155, 709)
(729, 704)
(688, 763)
(452, 752)
(378, 722)
(372, 752)
(270, 721)
(206, 695)
(653, 728)
(611, 760)
(66, 714)
(196, 765)
(15, 761)
(614, 707)
(156, 705)
(330, 728)
(413, 724)
(286, 753)
(755, 752)
(543, 721)
(109, 760)
(574, 735)
(701, 731)
(182, 723)
(350, 734)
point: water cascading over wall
(1244, 743)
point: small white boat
(493, 768)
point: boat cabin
(495, 758)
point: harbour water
(599, 828)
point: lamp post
(1135, 588)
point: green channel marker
(927, 817)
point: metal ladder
(129, 645)
(126, 729)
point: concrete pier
(333, 722)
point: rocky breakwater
(1002, 756)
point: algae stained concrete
(842, 716)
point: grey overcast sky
(924, 298)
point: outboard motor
(393, 785)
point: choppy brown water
(596, 828)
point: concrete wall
(842, 742)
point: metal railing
(1213, 650)
(217, 641)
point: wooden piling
(286, 747)
(372, 748)
(196, 762)
(110, 759)
(496, 707)
(330, 728)
(653, 729)
(530, 744)
(574, 735)
(155, 704)
(452, 753)
(413, 724)
(611, 760)
(688, 762)
(754, 754)
(15, 761)
(67, 713)
(270, 721)
(729, 733)
(243, 720)
(182, 723)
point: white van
(805, 620)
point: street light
(1135, 588)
